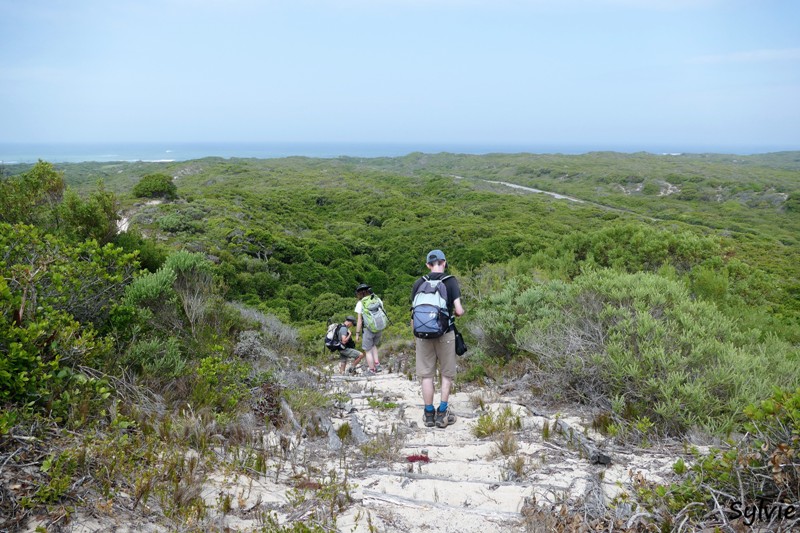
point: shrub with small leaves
(221, 383)
(156, 186)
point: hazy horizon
(77, 152)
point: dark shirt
(453, 290)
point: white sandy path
(467, 485)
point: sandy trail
(468, 484)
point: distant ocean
(12, 153)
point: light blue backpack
(429, 314)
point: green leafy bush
(36, 356)
(177, 294)
(220, 384)
(634, 247)
(175, 223)
(152, 288)
(53, 296)
(93, 218)
(156, 186)
(157, 358)
(82, 279)
(149, 253)
(33, 196)
(639, 345)
(773, 446)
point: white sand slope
(467, 485)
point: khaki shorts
(371, 339)
(348, 353)
(443, 350)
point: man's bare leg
(427, 391)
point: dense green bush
(793, 203)
(148, 252)
(176, 295)
(637, 344)
(635, 247)
(94, 218)
(220, 384)
(156, 186)
(33, 196)
(47, 284)
(151, 289)
(157, 358)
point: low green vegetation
(760, 470)
(490, 423)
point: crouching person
(348, 347)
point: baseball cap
(363, 287)
(435, 255)
(350, 319)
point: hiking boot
(429, 417)
(370, 372)
(351, 371)
(444, 419)
(378, 367)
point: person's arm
(457, 309)
(359, 324)
(455, 290)
(346, 337)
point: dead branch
(289, 414)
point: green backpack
(375, 318)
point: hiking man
(371, 321)
(438, 296)
(348, 349)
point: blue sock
(443, 407)
(429, 408)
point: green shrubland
(760, 470)
(667, 302)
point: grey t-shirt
(343, 331)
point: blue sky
(601, 73)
